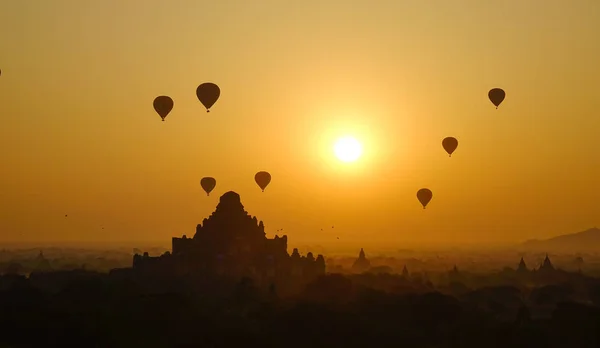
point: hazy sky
(79, 135)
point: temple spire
(405, 272)
(547, 265)
(361, 264)
(522, 266)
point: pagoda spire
(405, 272)
(547, 264)
(522, 266)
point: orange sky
(79, 135)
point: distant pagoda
(547, 265)
(522, 266)
(361, 264)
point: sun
(347, 149)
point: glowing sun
(347, 149)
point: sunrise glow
(347, 149)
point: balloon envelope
(424, 196)
(163, 105)
(208, 184)
(496, 96)
(450, 144)
(208, 93)
(262, 179)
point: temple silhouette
(233, 244)
(361, 264)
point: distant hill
(588, 240)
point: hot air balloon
(262, 179)
(163, 105)
(450, 144)
(496, 96)
(424, 196)
(208, 184)
(208, 93)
